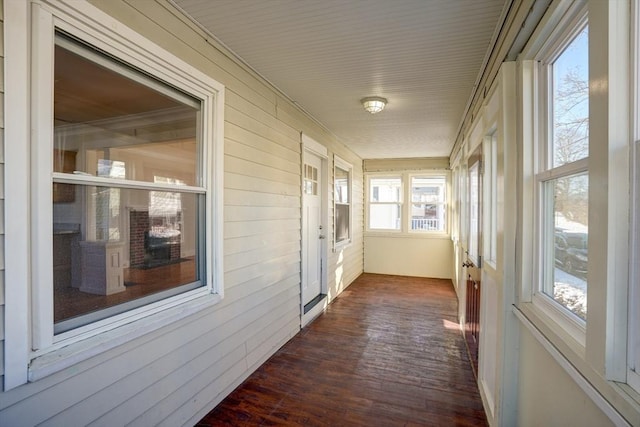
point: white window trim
(446, 203)
(490, 190)
(21, 273)
(564, 30)
(344, 165)
(405, 195)
(399, 202)
(599, 360)
(633, 329)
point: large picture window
(124, 189)
(563, 177)
(127, 188)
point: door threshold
(308, 306)
(313, 309)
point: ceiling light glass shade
(374, 104)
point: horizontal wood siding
(347, 263)
(175, 375)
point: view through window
(127, 194)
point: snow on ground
(571, 291)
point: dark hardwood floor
(387, 352)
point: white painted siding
(2, 189)
(176, 374)
(346, 262)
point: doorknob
(322, 236)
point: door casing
(311, 147)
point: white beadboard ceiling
(424, 56)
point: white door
(313, 232)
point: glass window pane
(428, 217)
(570, 103)
(428, 211)
(341, 182)
(115, 246)
(342, 222)
(569, 244)
(427, 189)
(109, 124)
(384, 217)
(385, 189)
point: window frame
(405, 201)
(444, 203)
(85, 182)
(32, 349)
(490, 194)
(544, 174)
(399, 203)
(347, 167)
(633, 327)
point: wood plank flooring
(387, 352)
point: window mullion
(121, 183)
(42, 61)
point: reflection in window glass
(135, 243)
(118, 248)
(342, 202)
(114, 120)
(341, 182)
(568, 264)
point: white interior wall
(408, 256)
(402, 253)
(547, 395)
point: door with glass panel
(473, 262)
(313, 229)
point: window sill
(59, 359)
(342, 245)
(405, 235)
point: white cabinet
(101, 270)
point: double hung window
(128, 195)
(342, 201)
(562, 177)
(123, 201)
(428, 203)
(385, 202)
(426, 211)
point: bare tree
(571, 143)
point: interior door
(313, 228)
(473, 263)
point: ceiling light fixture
(373, 104)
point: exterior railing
(425, 224)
